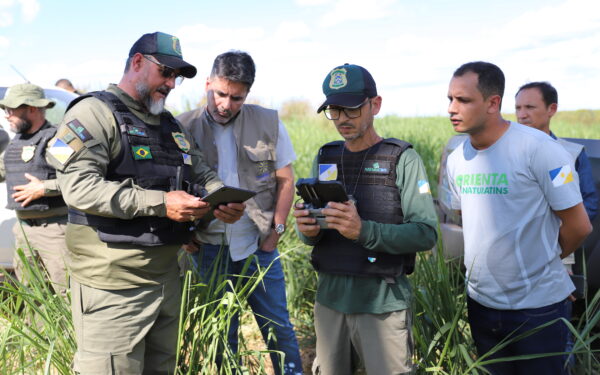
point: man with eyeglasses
(128, 173)
(32, 190)
(363, 296)
(250, 148)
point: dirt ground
(255, 342)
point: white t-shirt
(507, 193)
(243, 235)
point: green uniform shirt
(373, 295)
(82, 181)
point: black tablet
(227, 194)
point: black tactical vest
(370, 177)
(152, 159)
(26, 153)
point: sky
(410, 47)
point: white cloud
(29, 9)
(290, 30)
(202, 34)
(353, 10)
(312, 2)
(6, 19)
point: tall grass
(36, 333)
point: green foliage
(36, 333)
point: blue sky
(410, 47)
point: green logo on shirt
(483, 183)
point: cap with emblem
(25, 93)
(348, 86)
(166, 49)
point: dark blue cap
(348, 86)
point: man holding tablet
(249, 148)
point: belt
(44, 220)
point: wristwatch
(279, 228)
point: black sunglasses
(166, 71)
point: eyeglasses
(333, 113)
(166, 71)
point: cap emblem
(338, 79)
(176, 45)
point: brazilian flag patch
(141, 152)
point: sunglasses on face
(166, 71)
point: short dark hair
(548, 91)
(63, 81)
(490, 79)
(236, 66)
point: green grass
(36, 335)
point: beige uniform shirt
(81, 176)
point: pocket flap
(261, 152)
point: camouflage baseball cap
(25, 93)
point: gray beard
(155, 107)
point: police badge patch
(27, 153)
(181, 141)
(338, 79)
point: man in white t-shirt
(522, 212)
(249, 148)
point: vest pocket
(261, 168)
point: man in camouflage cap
(31, 183)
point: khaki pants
(47, 243)
(130, 331)
(382, 341)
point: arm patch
(80, 130)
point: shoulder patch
(80, 130)
(60, 150)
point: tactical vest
(26, 153)
(151, 157)
(256, 130)
(370, 177)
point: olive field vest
(26, 153)
(370, 178)
(255, 130)
(154, 158)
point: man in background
(32, 190)
(535, 105)
(65, 84)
